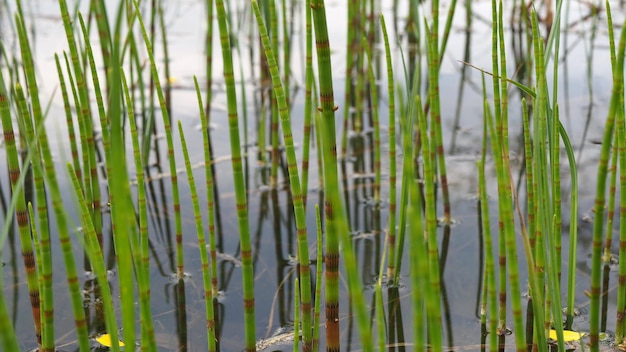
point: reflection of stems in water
(530, 323)
(589, 78)
(318, 280)
(278, 248)
(346, 188)
(446, 312)
(162, 216)
(350, 67)
(396, 326)
(466, 58)
(181, 315)
(605, 297)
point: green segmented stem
(507, 234)
(406, 127)
(208, 47)
(392, 152)
(506, 221)
(140, 250)
(490, 270)
(95, 184)
(204, 258)
(240, 192)
(92, 247)
(435, 107)
(170, 146)
(8, 338)
(530, 177)
(166, 59)
(46, 318)
(84, 110)
(21, 212)
(68, 117)
(98, 8)
(294, 180)
(543, 228)
(359, 51)
(374, 97)
(418, 262)
(502, 259)
(615, 113)
(52, 183)
(433, 289)
(335, 215)
(274, 111)
(380, 305)
(318, 280)
(63, 231)
(308, 103)
(204, 120)
(621, 290)
(351, 46)
(286, 53)
(610, 217)
(296, 313)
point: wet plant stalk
(21, 212)
(616, 103)
(294, 180)
(204, 258)
(392, 152)
(318, 280)
(55, 194)
(374, 112)
(308, 103)
(140, 245)
(335, 215)
(433, 289)
(204, 120)
(240, 192)
(170, 147)
(95, 255)
(435, 107)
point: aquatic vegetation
(114, 208)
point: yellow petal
(105, 340)
(567, 335)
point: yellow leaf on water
(105, 340)
(567, 335)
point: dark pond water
(178, 308)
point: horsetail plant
(20, 211)
(294, 180)
(92, 247)
(598, 223)
(489, 270)
(140, 250)
(204, 120)
(170, 146)
(206, 273)
(374, 99)
(392, 151)
(318, 280)
(335, 217)
(308, 102)
(240, 192)
(55, 195)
